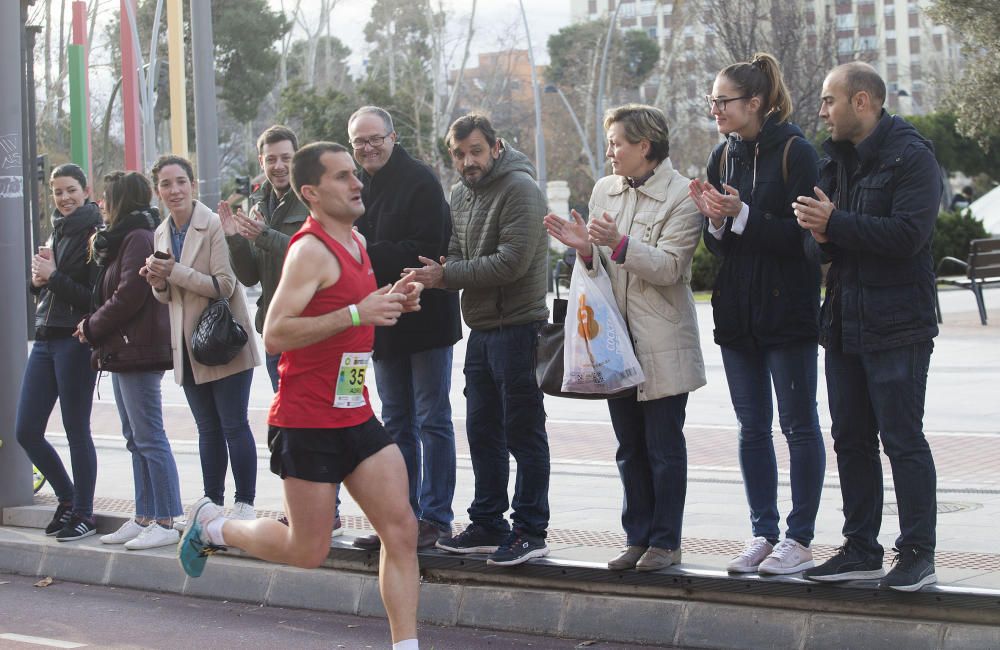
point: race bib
(351, 380)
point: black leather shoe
(368, 542)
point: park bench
(981, 270)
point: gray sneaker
(754, 552)
(787, 557)
(627, 559)
(655, 559)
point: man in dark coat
(406, 216)
(873, 217)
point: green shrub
(952, 234)
(704, 268)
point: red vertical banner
(130, 90)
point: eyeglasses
(373, 142)
(720, 102)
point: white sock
(214, 531)
(406, 644)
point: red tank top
(308, 385)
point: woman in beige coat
(644, 229)
(218, 395)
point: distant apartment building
(499, 78)
(913, 54)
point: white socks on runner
(214, 531)
(406, 644)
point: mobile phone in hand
(161, 255)
(45, 251)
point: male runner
(323, 431)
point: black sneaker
(910, 571)
(474, 539)
(77, 528)
(518, 548)
(59, 520)
(847, 564)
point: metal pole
(28, 162)
(599, 101)
(15, 470)
(206, 125)
(539, 135)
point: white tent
(987, 209)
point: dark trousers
(220, 412)
(506, 418)
(60, 369)
(652, 462)
(877, 394)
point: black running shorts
(324, 455)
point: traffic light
(40, 168)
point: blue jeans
(60, 368)
(154, 472)
(416, 411)
(506, 417)
(652, 463)
(220, 412)
(271, 362)
(792, 369)
(877, 394)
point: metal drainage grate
(943, 507)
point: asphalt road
(70, 615)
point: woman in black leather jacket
(766, 303)
(62, 276)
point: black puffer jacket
(767, 291)
(65, 299)
(880, 286)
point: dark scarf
(108, 241)
(85, 218)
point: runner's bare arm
(309, 268)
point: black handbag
(217, 337)
(549, 358)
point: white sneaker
(243, 511)
(787, 557)
(128, 531)
(152, 536)
(756, 549)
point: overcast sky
(498, 23)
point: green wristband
(355, 316)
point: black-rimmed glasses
(373, 142)
(720, 102)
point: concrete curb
(619, 618)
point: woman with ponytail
(765, 303)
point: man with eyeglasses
(497, 258)
(406, 216)
(873, 217)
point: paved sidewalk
(962, 421)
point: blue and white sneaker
(195, 546)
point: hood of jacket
(773, 135)
(510, 161)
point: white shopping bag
(597, 353)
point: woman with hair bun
(765, 303)
(62, 276)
